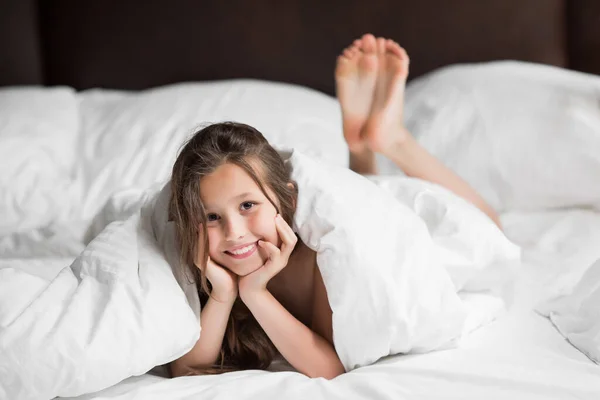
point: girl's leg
(356, 76)
(383, 130)
(417, 162)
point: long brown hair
(245, 344)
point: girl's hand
(224, 282)
(278, 259)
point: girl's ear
(292, 186)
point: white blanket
(401, 277)
(408, 266)
(492, 363)
(576, 314)
(115, 312)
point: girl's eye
(212, 217)
(247, 205)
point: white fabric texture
(118, 310)
(577, 314)
(131, 139)
(525, 136)
(519, 356)
(65, 153)
(38, 132)
(115, 312)
(393, 260)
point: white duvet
(116, 311)
(392, 266)
(521, 355)
(396, 254)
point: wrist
(249, 296)
(224, 297)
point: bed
(98, 97)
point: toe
(389, 45)
(369, 44)
(402, 53)
(343, 67)
(397, 50)
(380, 45)
(342, 59)
(393, 48)
(367, 36)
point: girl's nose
(235, 228)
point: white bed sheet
(519, 356)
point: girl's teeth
(243, 250)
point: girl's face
(238, 214)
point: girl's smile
(243, 251)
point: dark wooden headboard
(127, 44)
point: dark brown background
(139, 44)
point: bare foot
(355, 76)
(384, 128)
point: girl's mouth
(244, 252)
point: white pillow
(38, 131)
(393, 259)
(526, 136)
(131, 139)
(576, 314)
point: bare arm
(205, 352)
(304, 349)
(322, 322)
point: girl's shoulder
(304, 254)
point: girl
(233, 203)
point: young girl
(233, 203)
